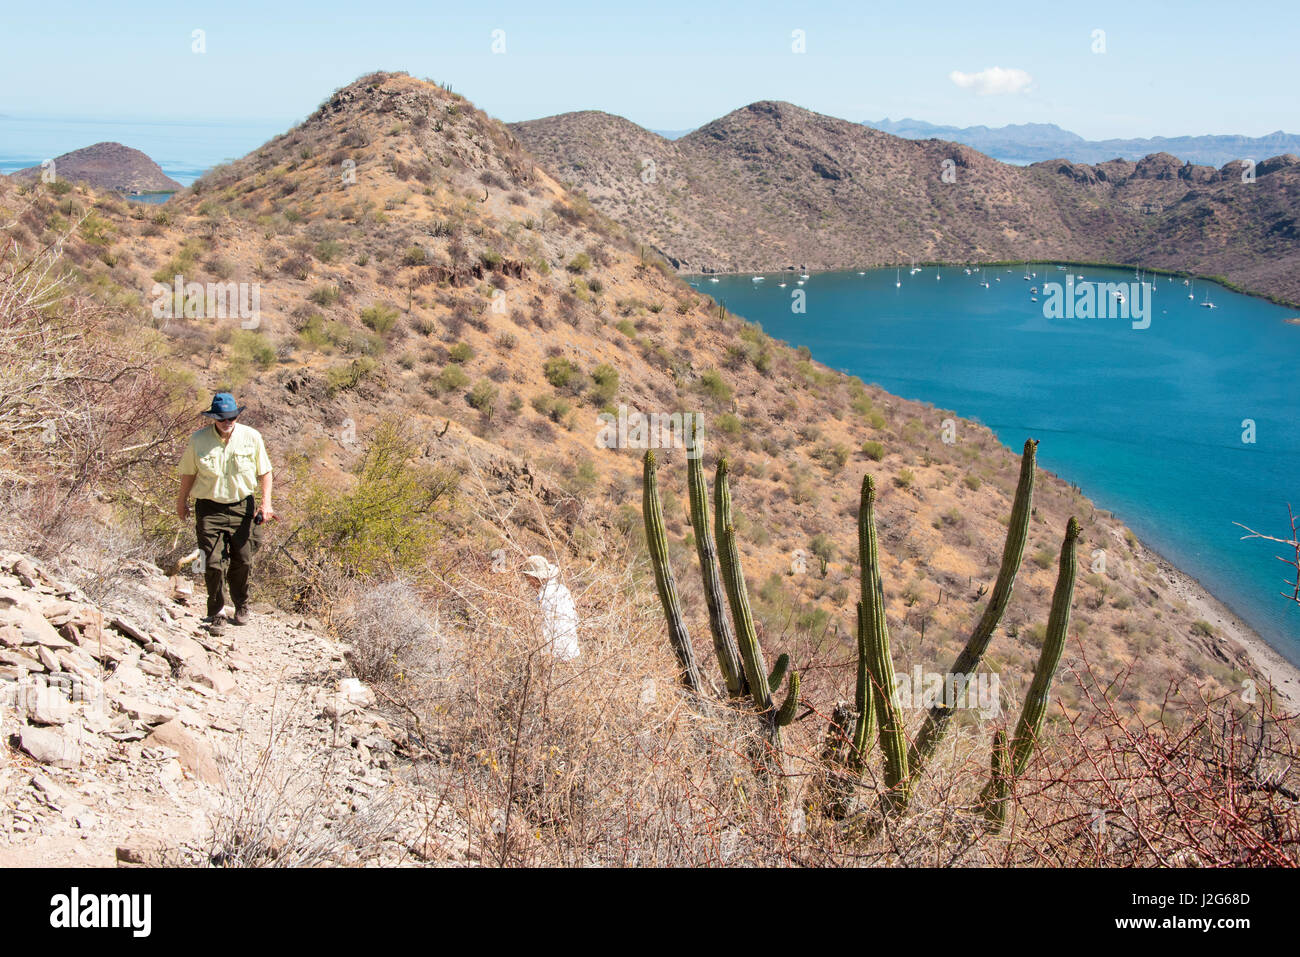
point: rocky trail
(131, 735)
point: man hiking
(223, 466)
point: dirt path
(131, 735)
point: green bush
(460, 352)
(341, 378)
(560, 372)
(415, 256)
(452, 377)
(713, 385)
(483, 396)
(388, 524)
(579, 263)
(328, 250)
(873, 450)
(253, 347)
(380, 317)
(605, 379)
(324, 295)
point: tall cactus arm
(1058, 623)
(657, 542)
(724, 637)
(733, 579)
(936, 720)
(864, 730)
(893, 738)
(1015, 760)
(999, 786)
(785, 714)
(778, 672)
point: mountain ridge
(771, 185)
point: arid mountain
(773, 186)
(414, 266)
(108, 166)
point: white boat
(1119, 296)
(897, 278)
(714, 279)
(968, 272)
(937, 276)
(799, 283)
(758, 278)
(1033, 290)
(1192, 291)
(803, 275)
(1207, 304)
(781, 285)
(861, 273)
(984, 283)
(915, 268)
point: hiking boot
(242, 616)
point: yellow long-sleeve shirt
(225, 472)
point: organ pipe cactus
(874, 640)
(936, 721)
(724, 637)
(751, 655)
(657, 542)
(1030, 725)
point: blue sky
(1168, 68)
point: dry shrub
(386, 629)
(83, 406)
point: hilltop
(430, 297)
(107, 166)
(772, 186)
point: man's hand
(183, 509)
(267, 513)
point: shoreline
(1271, 665)
(1222, 281)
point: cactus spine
(1013, 550)
(733, 579)
(724, 638)
(874, 639)
(657, 543)
(1034, 709)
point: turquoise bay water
(184, 149)
(1148, 422)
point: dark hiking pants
(227, 537)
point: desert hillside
(441, 321)
(772, 186)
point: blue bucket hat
(224, 407)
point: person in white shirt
(559, 616)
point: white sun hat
(536, 566)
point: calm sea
(184, 150)
(1149, 422)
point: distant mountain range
(772, 186)
(1035, 142)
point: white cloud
(993, 81)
